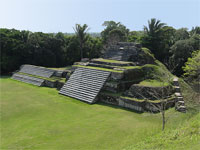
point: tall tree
(192, 70)
(114, 32)
(154, 27)
(81, 33)
(153, 37)
(181, 34)
(195, 30)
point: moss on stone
(150, 101)
(157, 72)
(98, 68)
(62, 68)
(112, 94)
(148, 52)
(129, 67)
(111, 61)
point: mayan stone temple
(126, 75)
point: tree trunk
(163, 116)
(81, 48)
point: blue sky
(62, 15)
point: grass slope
(186, 137)
(39, 118)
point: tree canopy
(171, 46)
(114, 32)
(82, 36)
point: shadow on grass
(4, 77)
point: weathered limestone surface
(37, 75)
(50, 84)
(84, 84)
(119, 86)
(117, 76)
(133, 74)
(28, 79)
(122, 87)
(137, 106)
(146, 92)
(122, 52)
(125, 51)
(109, 99)
(37, 70)
(58, 73)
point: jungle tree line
(171, 46)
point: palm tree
(154, 36)
(81, 33)
(154, 27)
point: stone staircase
(85, 84)
(36, 70)
(180, 104)
(29, 73)
(28, 79)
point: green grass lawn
(39, 118)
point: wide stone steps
(28, 79)
(36, 70)
(85, 84)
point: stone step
(28, 79)
(177, 94)
(36, 70)
(175, 82)
(83, 98)
(84, 84)
(84, 81)
(181, 108)
(177, 89)
(81, 92)
(80, 86)
(181, 103)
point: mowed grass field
(39, 118)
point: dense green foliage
(49, 50)
(192, 66)
(192, 70)
(114, 32)
(181, 51)
(172, 47)
(82, 36)
(39, 118)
